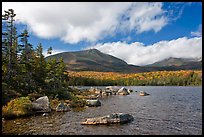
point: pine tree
(27, 62)
(39, 66)
(9, 47)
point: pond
(168, 110)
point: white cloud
(197, 33)
(139, 54)
(146, 17)
(75, 22)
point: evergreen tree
(9, 47)
(39, 73)
(27, 63)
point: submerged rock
(109, 119)
(142, 93)
(42, 104)
(93, 103)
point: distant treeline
(158, 78)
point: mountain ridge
(95, 60)
(172, 61)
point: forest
(24, 69)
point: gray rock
(97, 91)
(130, 90)
(41, 105)
(45, 114)
(61, 107)
(112, 88)
(142, 93)
(93, 103)
(109, 119)
(93, 96)
(104, 93)
(123, 91)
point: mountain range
(94, 60)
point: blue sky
(139, 33)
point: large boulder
(123, 91)
(93, 102)
(61, 107)
(109, 119)
(42, 105)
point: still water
(166, 111)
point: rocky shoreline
(91, 97)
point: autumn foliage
(160, 78)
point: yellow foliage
(136, 76)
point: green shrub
(77, 102)
(17, 108)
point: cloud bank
(139, 54)
(75, 22)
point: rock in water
(42, 104)
(61, 107)
(112, 88)
(114, 118)
(93, 103)
(142, 93)
(123, 91)
(130, 90)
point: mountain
(174, 62)
(94, 60)
(178, 64)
